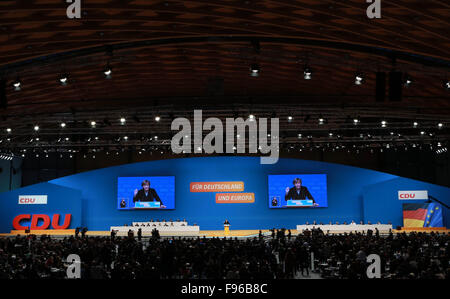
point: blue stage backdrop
(348, 199)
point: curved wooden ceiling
(182, 53)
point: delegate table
(346, 227)
(190, 230)
(161, 223)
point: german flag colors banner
(422, 215)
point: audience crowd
(277, 256)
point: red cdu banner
(46, 221)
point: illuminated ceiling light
(156, 137)
(64, 79)
(299, 136)
(321, 121)
(67, 138)
(63, 125)
(359, 79)
(36, 128)
(107, 72)
(93, 123)
(157, 118)
(122, 120)
(447, 84)
(383, 124)
(290, 118)
(251, 117)
(9, 130)
(307, 73)
(330, 134)
(254, 70)
(355, 121)
(422, 133)
(408, 81)
(415, 124)
(440, 125)
(125, 137)
(17, 85)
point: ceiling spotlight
(107, 72)
(122, 120)
(157, 118)
(447, 84)
(440, 125)
(251, 117)
(299, 136)
(359, 79)
(36, 128)
(383, 123)
(8, 130)
(415, 124)
(355, 121)
(408, 81)
(254, 70)
(422, 133)
(307, 73)
(63, 80)
(125, 137)
(321, 121)
(63, 125)
(93, 123)
(17, 85)
(290, 118)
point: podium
(226, 229)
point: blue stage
(91, 197)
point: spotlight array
(7, 157)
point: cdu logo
(74, 10)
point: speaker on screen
(395, 86)
(3, 93)
(380, 87)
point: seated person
(307, 223)
(353, 222)
(368, 222)
(171, 223)
(361, 222)
(165, 224)
(321, 223)
(345, 222)
(226, 222)
(314, 222)
(331, 223)
(148, 224)
(378, 222)
(337, 222)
